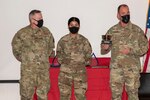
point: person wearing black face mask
(73, 29)
(39, 23)
(128, 44)
(125, 18)
(74, 53)
(32, 46)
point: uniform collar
(74, 37)
(129, 26)
(35, 29)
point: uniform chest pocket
(116, 38)
(73, 46)
(79, 46)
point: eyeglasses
(35, 19)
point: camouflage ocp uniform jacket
(130, 36)
(74, 51)
(33, 46)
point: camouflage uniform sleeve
(16, 46)
(51, 41)
(51, 45)
(59, 51)
(88, 52)
(103, 51)
(142, 45)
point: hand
(141, 70)
(105, 46)
(18, 58)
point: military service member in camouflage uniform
(74, 53)
(32, 46)
(128, 44)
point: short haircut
(74, 19)
(33, 12)
(122, 5)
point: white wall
(96, 17)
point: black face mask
(125, 18)
(74, 29)
(40, 23)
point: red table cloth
(98, 83)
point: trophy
(106, 39)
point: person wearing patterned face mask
(74, 53)
(32, 46)
(128, 44)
